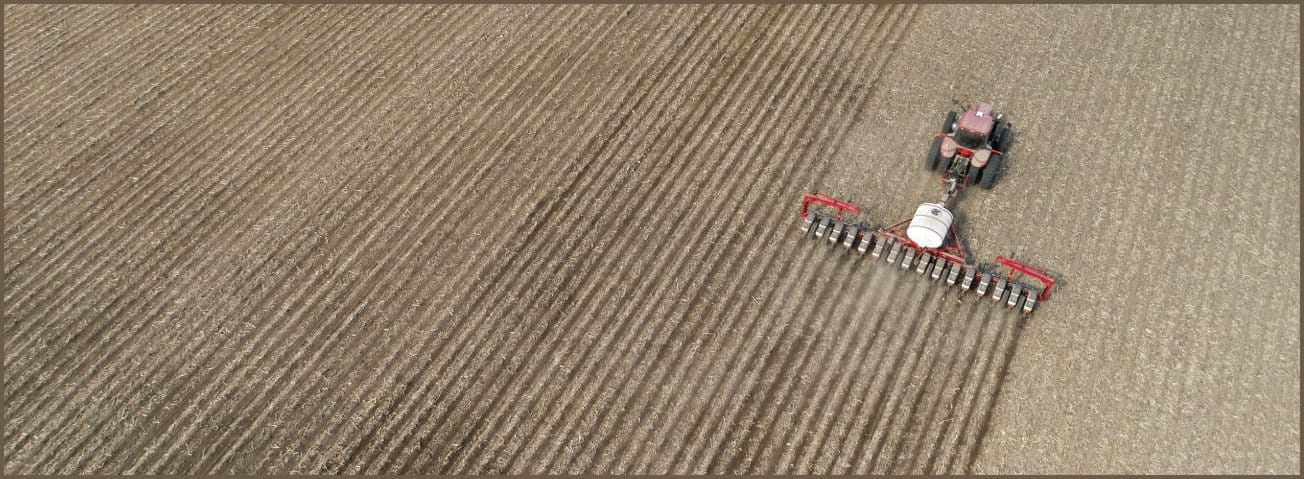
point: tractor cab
(974, 126)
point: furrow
(647, 307)
(932, 426)
(403, 260)
(115, 350)
(865, 368)
(689, 448)
(465, 343)
(76, 189)
(91, 95)
(388, 362)
(937, 347)
(407, 195)
(96, 220)
(34, 339)
(319, 276)
(219, 187)
(899, 371)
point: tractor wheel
(990, 170)
(934, 154)
(948, 125)
(972, 176)
(1002, 138)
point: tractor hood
(978, 120)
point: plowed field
(506, 239)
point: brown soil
(425, 239)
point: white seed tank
(929, 226)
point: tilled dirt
(503, 239)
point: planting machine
(969, 150)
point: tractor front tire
(948, 125)
(934, 154)
(990, 170)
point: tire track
(946, 402)
(1007, 354)
(906, 356)
(931, 351)
(823, 384)
(909, 356)
(878, 295)
(780, 362)
(876, 372)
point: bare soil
(562, 239)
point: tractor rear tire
(1001, 140)
(972, 175)
(990, 170)
(934, 154)
(948, 125)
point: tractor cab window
(969, 139)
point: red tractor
(972, 148)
